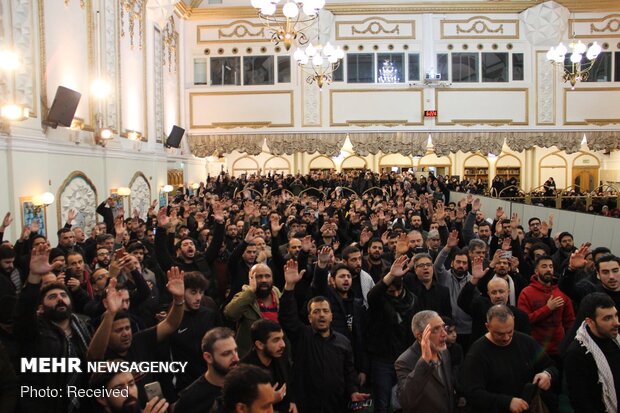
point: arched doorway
(585, 172)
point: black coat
(323, 375)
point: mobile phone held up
(153, 390)
(119, 253)
(360, 405)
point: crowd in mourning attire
(321, 293)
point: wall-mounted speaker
(174, 139)
(63, 107)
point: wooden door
(585, 178)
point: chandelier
(579, 68)
(319, 62)
(388, 73)
(297, 16)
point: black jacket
(279, 370)
(436, 298)
(323, 375)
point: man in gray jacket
(424, 370)
(455, 279)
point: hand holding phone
(153, 390)
(119, 253)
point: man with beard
(197, 320)
(431, 295)
(500, 364)
(550, 311)
(45, 326)
(347, 309)
(424, 370)
(267, 353)
(455, 280)
(541, 232)
(362, 281)
(323, 371)
(66, 241)
(187, 259)
(562, 255)
(592, 361)
(256, 300)
(501, 267)
(373, 263)
(477, 305)
(114, 337)
(102, 259)
(10, 278)
(219, 350)
(122, 394)
(392, 307)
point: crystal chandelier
(578, 70)
(298, 15)
(388, 73)
(319, 62)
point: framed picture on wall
(30, 214)
(118, 205)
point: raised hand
(385, 238)
(291, 274)
(365, 236)
(399, 267)
(453, 239)
(499, 213)
(425, 344)
(6, 221)
(514, 221)
(71, 215)
(279, 393)
(163, 220)
(578, 258)
(275, 225)
(25, 233)
(324, 256)
(402, 245)
(114, 298)
(544, 228)
(249, 237)
(35, 226)
(156, 405)
(175, 285)
(440, 214)
(506, 244)
(306, 243)
(477, 272)
(39, 260)
(218, 211)
(551, 218)
(252, 280)
(475, 206)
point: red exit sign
(430, 113)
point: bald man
(258, 299)
(476, 305)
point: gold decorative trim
(581, 155)
(230, 125)
(479, 26)
(375, 27)
(367, 122)
(240, 31)
(73, 175)
(508, 155)
(387, 8)
(43, 62)
(410, 160)
(350, 157)
(238, 28)
(540, 52)
(596, 30)
(491, 122)
(321, 156)
(278, 157)
(244, 170)
(598, 122)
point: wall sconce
(123, 191)
(74, 131)
(133, 135)
(195, 185)
(167, 188)
(13, 112)
(42, 201)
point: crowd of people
(311, 294)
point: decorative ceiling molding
(383, 8)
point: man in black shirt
(220, 352)
(500, 364)
(592, 363)
(267, 353)
(323, 372)
(114, 339)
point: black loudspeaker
(63, 107)
(174, 139)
